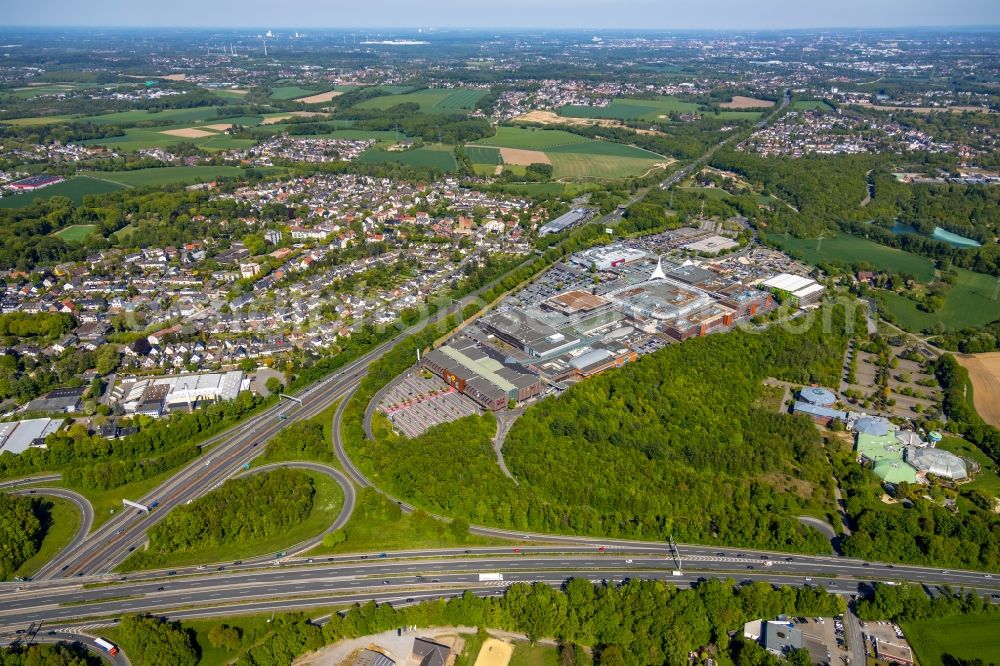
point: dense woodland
(687, 454)
(242, 510)
(38, 654)
(21, 532)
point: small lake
(939, 234)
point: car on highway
(517, 550)
(385, 582)
(171, 573)
(237, 563)
(154, 504)
(628, 561)
(409, 600)
(160, 589)
(988, 576)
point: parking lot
(415, 403)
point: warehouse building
(17, 436)
(158, 395)
(796, 289)
(483, 374)
(564, 221)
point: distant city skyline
(551, 14)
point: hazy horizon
(516, 14)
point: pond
(940, 234)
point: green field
(430, 100)
(433, 157)
(167, 116)
(963, 637)
(486, 156)
(153, 137)
(76, 233)
(73, 188)
(65, 521)
(631, 109)
(849, 249)
(293, 92)
(811, 105)
(532, 138)
(168, 175)
(30, 92)
(328, 501)
(526, 654)
(575, 157)
(970, 302)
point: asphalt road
(403, 575)
(86, 512)
(60, 636)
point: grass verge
(63, 522)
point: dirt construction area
(524, 157)
(494, 653)
(984, 373)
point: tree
(222, 635)
(334, 538)
(274, 385)
(107, 359)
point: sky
(550, 14)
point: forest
(670, 445)
(39, 654)
(21, 532)
(242, 510)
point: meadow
(434, 157)
(848, 249)
(531, 138)
(963, 637)
(969, 302)
(158, 176)
(74, 188)
(76, 233)
(430, 100)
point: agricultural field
(531, 138)
(962, 637)
(75, 189)
(167, 116)
(572, 156)
(811, 105)
(848, 249)
(632, 109)
(434, 157)
(292, 92)
(32, 91)
(984, 373)
(741, 102)
(486, 156)
(158, 176)
(155, 137)
(76, 233)
(972, 301)
(430, 100)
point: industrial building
(796, 289)
(564, 221)
(158, 395)
(18, 436)
(483, 373)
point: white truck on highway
(107, 646)
(484, 577)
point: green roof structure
(886, 455)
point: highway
(320, 581)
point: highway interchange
(63, 592)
